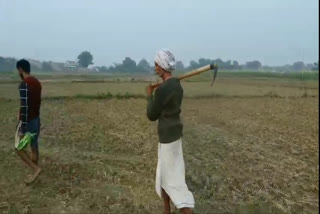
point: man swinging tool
(165, 106)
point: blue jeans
(33, 126)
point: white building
(71, 65)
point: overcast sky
(276, 32)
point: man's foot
(33, 177)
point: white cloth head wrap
(165, 60)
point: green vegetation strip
(103, 96)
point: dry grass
(271, 153)
(243, 155)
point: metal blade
(215, 72)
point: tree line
(128, 65)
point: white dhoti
(170, 174)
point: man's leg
(186, 210)
(22, 156)
(34, 155)
(166, 200)
(34, 127)
(36, 169)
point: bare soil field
(250, 147)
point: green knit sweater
(165, 106)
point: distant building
(71, 65)
(94, 69)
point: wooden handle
(191, 73)
(195, 72)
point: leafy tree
(7, 64)
(203, 62)
(104, 69)
(128, 65)
(309, 66)
(193, 65)
(144, 66)
(219, 62)
(46, 66)
(235, 65)
(315, 66)
(298, 66)
(227, 65)
(253, 65)
(179, 66)
(85, 59)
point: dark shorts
(33, 126)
